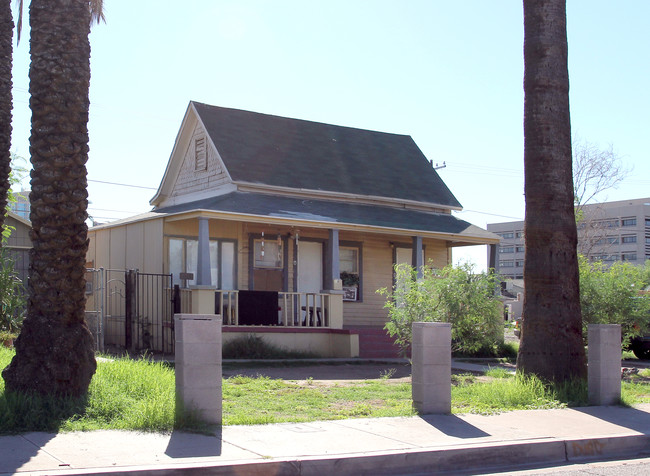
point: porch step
(376, 343)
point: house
(293, 224)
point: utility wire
(123, 184)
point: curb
(546, 451)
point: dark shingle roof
(330, 212)
(278, 151)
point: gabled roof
(281, 152)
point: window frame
(185, 283)
(358, 246)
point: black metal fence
(135, 310)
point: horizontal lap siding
(378, 273)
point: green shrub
(456, 295)
(252, 346)
(610, 295)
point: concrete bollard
(198, 365)
(431, 367)
(604, 364)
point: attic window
(200, 155)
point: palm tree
(55, 352)
(551, 345)
(6, 34)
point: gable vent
(200, 155)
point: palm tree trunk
(6, 36)
(55, 352)
(551, 345)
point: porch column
(492, 256)
(418, 255)
(203, 275)
(332, 269)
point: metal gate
(130, 310)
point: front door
(310, 267)
(310, 276)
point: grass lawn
(139, 395)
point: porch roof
(338, 215)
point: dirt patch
(330, 373)
(343, 374)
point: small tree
(610, 295)
(456, 295)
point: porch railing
(294, 309)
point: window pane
(192, 259)
(176, 260)
(227, 265)
(349, 260)
(269, 255)
(214, 263)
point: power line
(491, 214)
(123, 184)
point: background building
(607, 232)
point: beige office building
(607, 232)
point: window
(603, 257)
(520, 249)
(647, 222)
(629, 239)
(628, 256)
(507, 236)
(647, 240)
(519, 234)
(628, 222)
(519, 263)
(610, 240)
(183, 258)
(605, 224)
(349, 267)
(506, 264)
(268, 253)
(200, 155)
(507, 249)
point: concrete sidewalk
(361, 446)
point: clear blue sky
(447, 73)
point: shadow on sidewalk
(18, 450)
(193, 445)
(627, 417)
(451, 425)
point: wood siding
(190, 180)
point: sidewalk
(359, 446)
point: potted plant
(350, 283)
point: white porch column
(418, 255)
(203, 275)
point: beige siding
(117, 248)
(378, 273)
(189, 179)
(153, 249)
(19, 237)
(133, 246)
